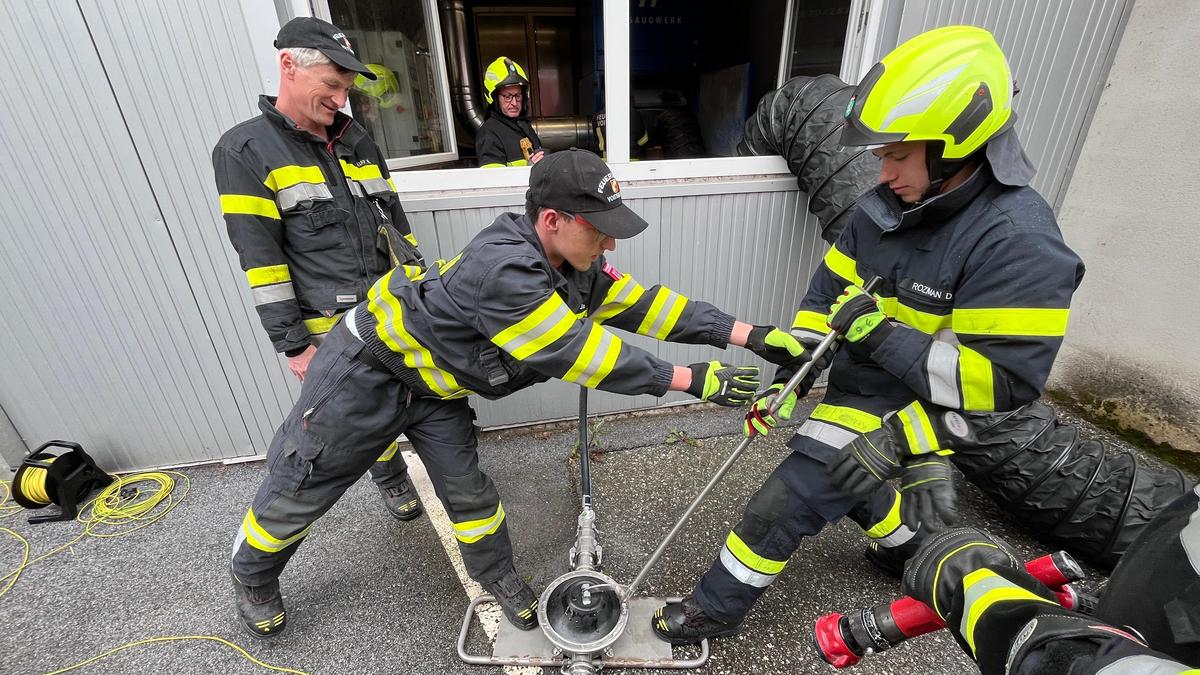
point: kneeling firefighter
(507, 138)
(972, 308)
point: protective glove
(935, 573)
(927, 493)
(857, 315)
(760, 420)
(777, 346)
(866, 463)
(723, 384)
(819, 366)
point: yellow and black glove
(759, 419)
(777, 346)
(722, 383)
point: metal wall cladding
(1060, 53)
(121, 320)
(751, 254)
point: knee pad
(766, 506)
(471, 496)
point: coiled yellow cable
(33, 483)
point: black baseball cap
(311, 32)
(577, 181)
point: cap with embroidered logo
(313, 33)
(577, 181)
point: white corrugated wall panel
(103, 343)
(1060, 53)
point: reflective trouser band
(982, 589)
(747, 566)
(322, 325)
(472, 531)
(843, 416)
(843, 266)
(664, 312)
(253, 534)
(541, 327)
(829, 434)
(390, 452)
(891, 532)
(621, 296)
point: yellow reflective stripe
(519, 162)
(389, 452)
(392, 184)
(287, 176)
(550, 321)
(643, 139)
(918, 430)
(491, 165)
(321, 324)
(262, 540)
(444, 265)
(248, 205)
(390, 329)
(360, 173)
(809, 320)
(751, 559)
(597, 358)
(412, 272)
(984, 588)
(978, 388)
(937, 574)
(620, 296)
(842, 265)
(851, 418)
(262, 276)
(472, 531)
(923, 321)
(410, 237)
(889, 523)
(663, 314)
(1011, 321)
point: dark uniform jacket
(978, 283)
(499, 317)
(498, 141)
(314, 223)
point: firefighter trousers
(796, 501)
(349, 411)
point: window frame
(433, 26)
(860, 41)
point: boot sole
(681, 641)
(406, 517)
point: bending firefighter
(506, 137)
(531, 297)
(312, 211)
(1146, 623)
(973, 305)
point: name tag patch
(926, 291)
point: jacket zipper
(360, 253)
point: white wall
(1131, 212)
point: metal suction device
(584, 613)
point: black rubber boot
(890, 560)
(516, 598)
(685, 623)
(260, 608)
(401, 501)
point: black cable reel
(64, 479)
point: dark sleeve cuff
(722, 328)
(290, 353)
(663, 374)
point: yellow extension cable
(110, 510)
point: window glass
(401, 108)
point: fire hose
(843, 639)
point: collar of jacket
(890, 214)
(514, 123)
(343, 129)
(521, 227)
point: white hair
(305, 57)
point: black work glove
(927, 493)
(865, 463)
(777, 346)
(819, 366)
(934, 574)
(723, 384)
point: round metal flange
(582, 612)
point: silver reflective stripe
(942, 368)
(265, 295)
(829, 434)
(976, 591)
(1189, 537)
(375, 186)
(919, 100)
(925, 444)
(355, 188)
(806, 334)
(617, 305)
(605, 344)
(516, 342)
(291, 197)
(664, 311)
(742, 573)
(1143, 664)
(900, 536)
